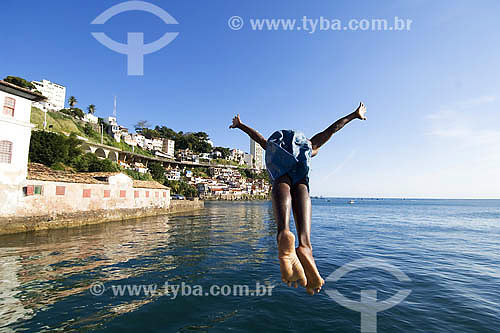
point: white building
(236, 155)
(129, 139)
(55, 93)
(153, 144)
(90, 118)
(148, 144)
(15, 134)
(206, 156)
(248, 159)
(258, 155)
(139, 139)
(173, 174)
(184, 154)
(169, 147)
(157, 144)
(113, 128)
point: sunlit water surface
(450, 249)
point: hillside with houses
(187, 162)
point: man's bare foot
(314, 280)
(290, 266)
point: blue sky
(432, 93)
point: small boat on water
(351, 202)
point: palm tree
(91, 108)
(72, 101)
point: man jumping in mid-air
(288, 156)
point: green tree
(88, 130)
(149, 133)
(138, 175)
(20, 82)
(91, 108)
(197, 142)
(224, 151)
(66, 111)
(91, 163)
(72, 101)
(58, 151)
(181, 187)
(157, 171)
(74, 149)
(49, 148)
(166, 133)
(201, 172)
(78, 113)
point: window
(60, 190)
(5, 152)
(28, 190)
(38, 190)
(33, 190)
(9, 106)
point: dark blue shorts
(289, 153)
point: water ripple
(448, 248)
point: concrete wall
(83, 204)
(178, 206)
(118, 194)
(15, 224)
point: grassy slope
(62, 123)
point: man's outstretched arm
(256, 136)
(321, 138)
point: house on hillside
(169, 147)
(113, 128)
(90, 118)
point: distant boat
(351, 202)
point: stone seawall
(229, 197)
(179, 206)
(11, 225)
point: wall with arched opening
(112, 156)
(100, 153)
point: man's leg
(282, 202)
(301, 205)
(290, 266)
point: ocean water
(69, 280)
